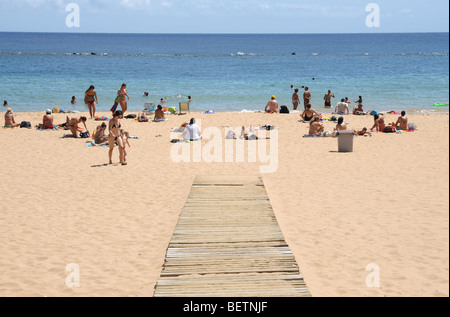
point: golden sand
(386, 204)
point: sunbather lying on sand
(363, 132)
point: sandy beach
(387, 204)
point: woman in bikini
(123, 98)
(379, 123)
(114, 137)
(91, 100)
(309, 114)
(9, 119)
(72, 124)
(295, 99)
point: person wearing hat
(272, 106)
(48, 120)
(9, 119)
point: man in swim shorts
(307, 96)
(272, 106)
(402, 122)
(327, 99)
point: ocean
(226, 72)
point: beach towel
(313, 136)
(116, 104)
(54, 129)
(95, 145)
(102, 118)
(159, 120)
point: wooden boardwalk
(228, 243)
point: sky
(224, 16)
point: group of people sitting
(160, 116)
(316, 128)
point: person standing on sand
(114, 137)
(307, 97)
(123, 98)
(91, 100)
(327, 99)
(295, 99)
(272, 106)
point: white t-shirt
(342, 107)
(192, 132)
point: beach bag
(284, 109)
(390, 129)
(84, 135)
(131, 116)
(412, 127)
(333, 118)
(25, 124)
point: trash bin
(345, 141)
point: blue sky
(224, 16)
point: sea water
(224, 72)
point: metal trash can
(345, 141)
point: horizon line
(224, 33)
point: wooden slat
(228, 243)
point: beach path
(227, 243)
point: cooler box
(345, 141)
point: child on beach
(125, 137)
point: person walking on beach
(272, 106)
(91, 100)
(296, 99)
(114, 137)
(123, 98)
(307, 97)
(327, 99)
